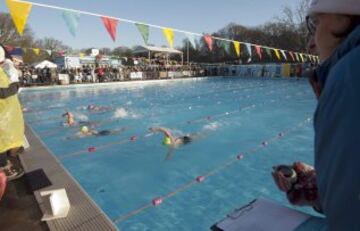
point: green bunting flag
(72, 21)
(268, 52)
(225, 45)
(144, 31)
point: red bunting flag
(209, 41)
(258, 51)
(110, 25)
(292, 55)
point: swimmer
(86, 132)
(70, 119)
(173, 142)
(94, 108)
(170, 140)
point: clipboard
(262, 215)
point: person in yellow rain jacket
(11, 117)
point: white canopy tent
(44, 64)
(164, 50)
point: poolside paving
(21, 210)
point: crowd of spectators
(101, 73)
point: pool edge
(84, 213)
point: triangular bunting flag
(224, 45)
(81, 55)
(209, 41)
(169, 35)
(19, 12)
(297, 57)
(36, 51)
(292, 55)
(258, 51)
(277, 54)
(49, 52)
(110, 25)
(144, 31)
(191, 39)
(302, 57)
(283, 53)
(268, 52)
(72, 21)
(237, 48)
(248, 46)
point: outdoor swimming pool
(125, 172)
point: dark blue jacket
(337, 135)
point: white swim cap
(348, 7)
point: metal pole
(188, 52)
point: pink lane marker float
(157, 201)
(133, 138)
(91, 149)
(200, 179)
(240, 156)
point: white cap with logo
(347, 7)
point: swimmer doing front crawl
(173, 142)
(86, 132)
(70, 121)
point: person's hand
(303, 191)
(2, 184)
(282, 181)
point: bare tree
(51, 44)
(295, 18)
(9, 35)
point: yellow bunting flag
(36, 51)
(237, 48)
(277, 54)
(82, 55)
(19, 12)
(302, 57)
(169, 35)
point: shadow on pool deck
(19, 209)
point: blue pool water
(232, 115)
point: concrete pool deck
(84, 213)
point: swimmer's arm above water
(165, 131)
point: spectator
(11, 118)
(335, 28)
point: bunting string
(20, 9)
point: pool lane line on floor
(199, 179)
